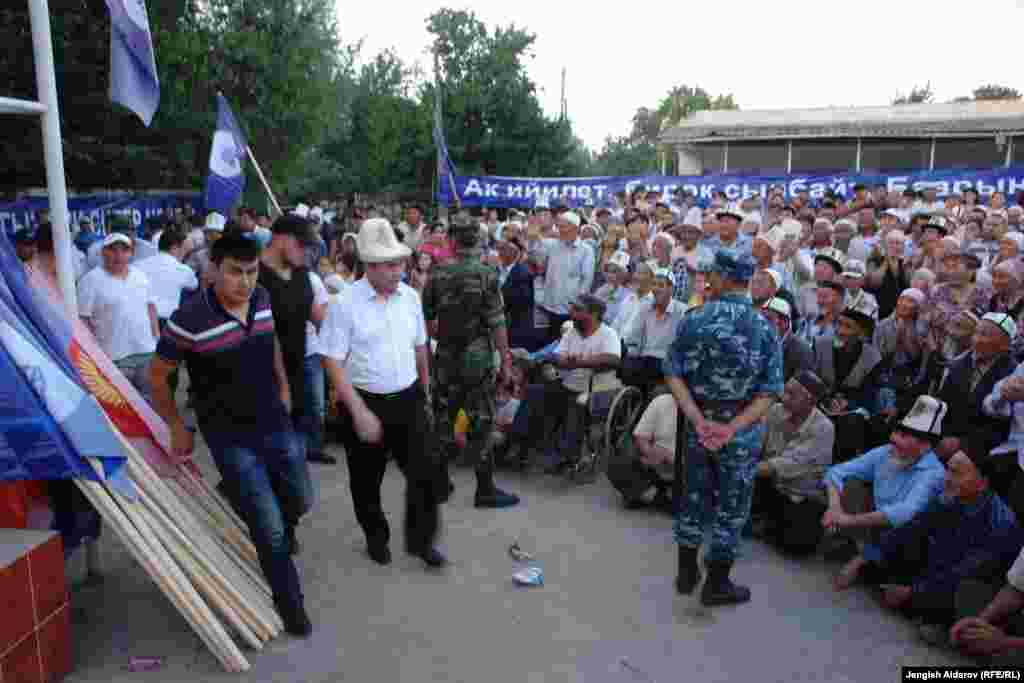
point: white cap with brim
(117, 238)
(570, 217)
(377, 242)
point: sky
(768, 55)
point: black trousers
(796, 527)
(408, 440)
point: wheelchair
(610, 415)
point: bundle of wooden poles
(197, 550)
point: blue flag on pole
(133, 78)
(49, 422)
(226, 181)
(445, 167)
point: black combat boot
(487, 494)
(689, 573)
(719, 589)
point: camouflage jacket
(451, 288)
(726, 351)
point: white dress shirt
(168, 277)
(320, 297)
(375, 338)
(996, 406)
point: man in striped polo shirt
(225, 336)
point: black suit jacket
(518, 295)
(965, 417)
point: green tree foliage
(917, 95)
(996, 92)
(639, 152)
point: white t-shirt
(168, 277)
(659, 421)
(320, 298)
(119, 311)
(604, 341)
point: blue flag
(445, 167)
(226, 181)
(133, 78)
(49, 422)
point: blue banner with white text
(528, 193)
(137, 208)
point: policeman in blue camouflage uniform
(725, 371)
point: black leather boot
(719, 589)
(689, 573)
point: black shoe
(296, 621)
(294, 547)
(719, 589)
(689, 573)
(322, 458)
(431, 557)
(635, 503)
(495, 498)
(379, 553)
(663, 501)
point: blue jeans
(268, 480)
(311, 424)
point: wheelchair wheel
(623, 414)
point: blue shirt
(899, 494)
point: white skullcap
(780, 306)
(914, 294)
(1003, 321)
(570, 217)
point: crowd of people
(850, 370)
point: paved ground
(608, 610)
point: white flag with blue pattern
(133, 79)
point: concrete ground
(608, 610)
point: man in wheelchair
(650, 333)
(586, 357)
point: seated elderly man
(590, 349)
(651, 332)
(849, 364)
(797, 356)
(970, 378)
(643, 469)
(885, 488)
(789, 498)
(968, 532)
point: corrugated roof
(983, 118)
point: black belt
(404, 393)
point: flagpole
(56, 184)
(266, 185)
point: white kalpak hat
(780, 306)
(377, 242)
(925, 418)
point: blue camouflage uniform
(727, 354)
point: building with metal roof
(976, 134)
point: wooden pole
(263, 179)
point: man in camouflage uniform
(725, 371)
(464, 311)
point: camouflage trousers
(729, 473)
(454, 389)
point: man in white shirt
(374, 341)
(569, 273)
(116, 302)
(314, 382)
(590, 348)
(168, 276)
(644, 473)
